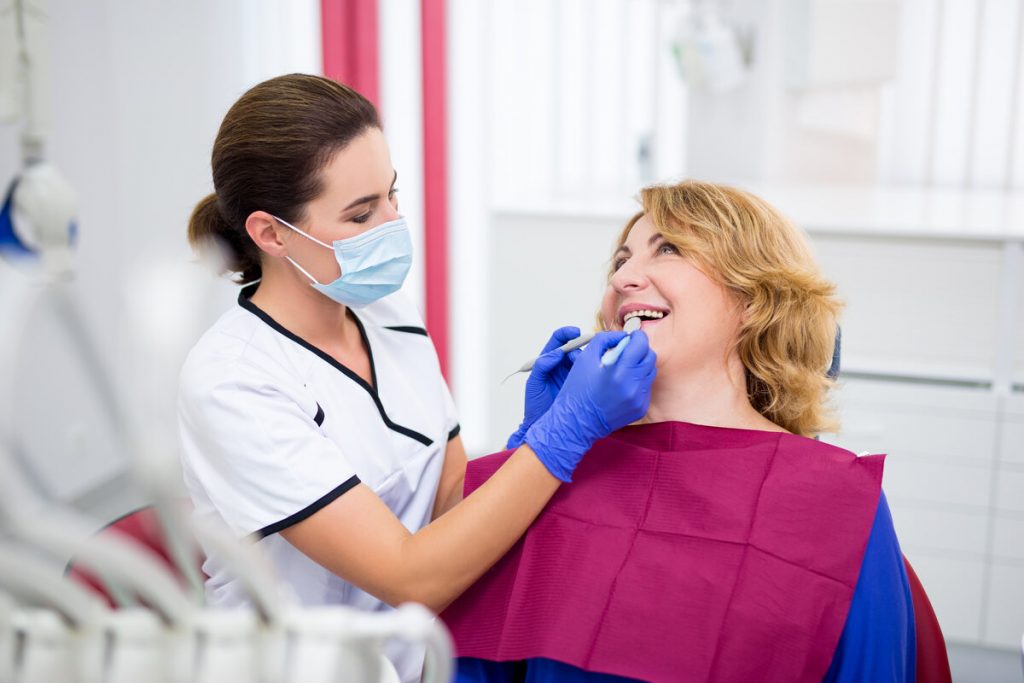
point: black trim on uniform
(319, 417)
(309, 510)
(244, 302)
(406, 328)
(455, 432)
(369, 353)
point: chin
(656, 346)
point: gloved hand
(546, 378)
(594, 401)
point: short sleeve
(255, 447)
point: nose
(389, 211)
(630, 277)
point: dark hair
(268, 155)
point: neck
(712, 394)
(289, 299)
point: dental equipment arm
(23, 297)
(270, 597)
(31, 580)
(65, 535)
(413, 623)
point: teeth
(646, 313)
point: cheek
(608, 306)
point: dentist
(313, 415)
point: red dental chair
(142, 527)
(932, 660)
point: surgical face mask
(373, 264)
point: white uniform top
(273, 429)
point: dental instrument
(612, 354)
(631, 326)
(578, 342)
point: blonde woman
(716, 539)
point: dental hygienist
(313, 415)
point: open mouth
(645, 315)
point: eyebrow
(656, 237)
(369, 197)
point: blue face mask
(373, 264)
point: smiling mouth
(645, 315)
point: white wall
(139, 89)
(548, 101)
(954, 114)
(401, 108)
(906, 92)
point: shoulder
(832, 469)
(883, 572)
(822, 449)
(878, 640)
(238, 351)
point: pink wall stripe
(348, 31)
(435, 173)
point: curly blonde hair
(791, 312)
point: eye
(362, 218)
(618, 263)
(667, 248)
(392, 192)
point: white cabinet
(957, 506)
(1004, 620)
(914, 305)
(933, 375)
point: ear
(265, 231)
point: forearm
(361, 540)
(453, 475)
(358, 538)
(449, 498)
(444, 558)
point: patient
(716, 540)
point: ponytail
(210, 233)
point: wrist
(558, 462)
(517, 438)
(559, 440)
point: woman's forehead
(639, 232)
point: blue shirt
(877, 644)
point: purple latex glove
(595, 400)
(546, 378)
